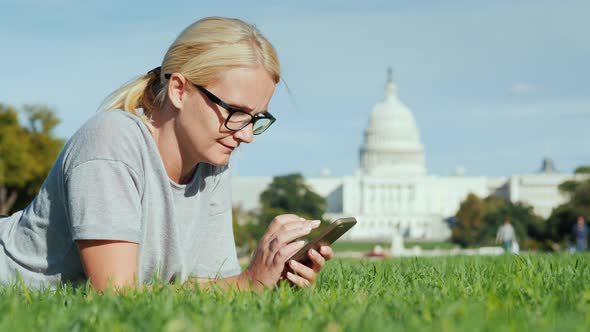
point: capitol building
(392, 193)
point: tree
(288, 194)
(478, 221)
(568, 187)
(469, 221)
(561, 221)
(582, 170)
(26, 153)
(528, 227)
(242, 222)
(563, 217)
(14, 164)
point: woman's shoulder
(113, 135)
(113, 121)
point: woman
(142, 190)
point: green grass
(540, 293)
(366, 246)
(356, 246)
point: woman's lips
(230, 148)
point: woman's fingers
(286, 222)
(287, 251)
(276, 247)
(309, 274)
(279, 241)
(317, 260)
(297, 280)
(297, 224)
(289, 232)
(327, 252)
(304, 271)
(281, 220)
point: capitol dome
(392, 140)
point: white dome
(392, 140)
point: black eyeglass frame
(233, 110)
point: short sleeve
(103, 199)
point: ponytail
(143, 92)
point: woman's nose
(245, 134)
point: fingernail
(307, 229)
(315, 222)
(292, 263)
(301, 243)
(301, 219)
(290, 275)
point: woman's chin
(221, 160)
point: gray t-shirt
(109, 183)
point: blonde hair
(200, 53)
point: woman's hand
(276, 246)
(306, 275)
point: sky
(494, 86)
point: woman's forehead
(248, 88)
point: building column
(514, 186)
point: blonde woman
(142, 189)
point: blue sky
(494, 86)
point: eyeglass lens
(239, 120)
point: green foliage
(288, 194)
(479, 220)
(563, 217)
(27, 153)
(470, 222)
(561, 222)
(581, 197)
(245, 236)
(577, 190)
(582, 169)
(568, 187)
(526, 224)
(507, 293)
(14, 150)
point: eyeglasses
(237, 118)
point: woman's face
(201, 132)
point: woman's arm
(306, 275)
(109, 262)
(115, 263)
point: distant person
(580, 231)
(142, 190)
(506, 236)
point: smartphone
(326, 237)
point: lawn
(367, 246)
(540, 293)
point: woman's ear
(177, 90)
